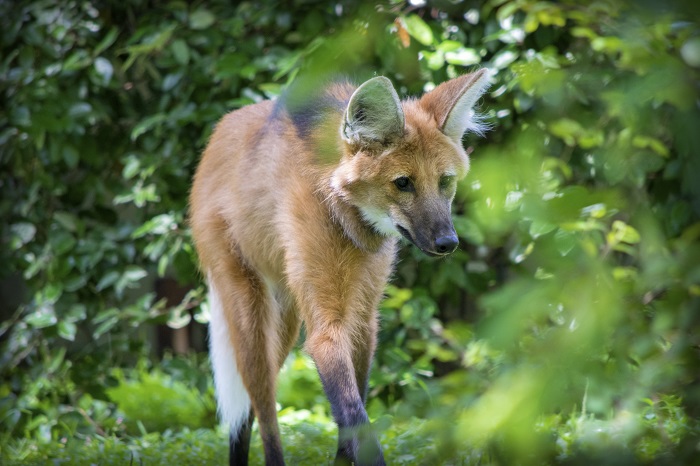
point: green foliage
(199, 447)
(156, 402)
(299, 386)
(309, 439)
(563, 330)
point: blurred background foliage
(565, 329)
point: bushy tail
(232, 398)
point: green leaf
(134, 273)
(598, 210)
(623, 233)
(35, 266)
(67, 330)
(170, 81)
(75, 282)
(504, 58)
(464, 57)
(62, 242)
(589, 225)
(565, 241)
(507, 10)
(449, 46)
(131, 275)
(181, 51)
(107, 41)
(43, 317)
(644, 142)
(270, 89)
(105, 326)
(436, 60)
(57, 358)
(531, 23)
(146, 124)
(583, 32)
(573, 133)
(607, 44)
(145, 194)
(163, 263)
(51, 293)
(104, 69)
(107, 280)
(149, 44)
(131, 167)
(179, 318)
(77, 61)
(79, 109)
(566, 129)
(539, 228)
(396, 297)
(67, 220)
(690, 52)
(158, 225)
(520, 252)
(418, 29)
(20, 116)
(77, 313)
(23, 233)
(71, 156)
(624, 273)
(201, 19)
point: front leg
(337, 288)
(333, 347)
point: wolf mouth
(404, 232)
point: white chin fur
(380, 221)
(232, 398)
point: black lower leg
(357, 443)
(273, 449)
(239, 443)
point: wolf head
(402, 160)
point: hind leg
(233, 401)
(287, 330)
(239, 443)
(253, 320)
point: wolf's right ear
(452, 104)
(374, 114)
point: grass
(308, 438)
(152, 405)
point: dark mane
(309, 105)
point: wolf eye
(404, 183)
(446, 181)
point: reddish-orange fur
(280, 225)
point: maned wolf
(295, 212)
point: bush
(153, 401)
(566, 319)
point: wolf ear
(452, 104)
(374, 113)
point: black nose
(446, 244)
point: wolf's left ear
(452, 103)
(374, 113)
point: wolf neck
(355, 228)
